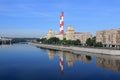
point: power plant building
(70, 35)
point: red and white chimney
(61, 23)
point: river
(26, 62)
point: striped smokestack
(61, 23)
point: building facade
(109, 38)
(50, 34)
(60, 36)
(70, 34)
(83, 36)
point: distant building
(50, 34)
(60, 36)
(83, 36)
(109, 38)
(70, 35)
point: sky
(34, 18)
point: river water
(26, 62)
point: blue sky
(34, 18)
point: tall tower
(61, 23)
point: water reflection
(70, 57)
(5, 45)
(108, 63)
(101, 61)
(61, 65)
(50, 54)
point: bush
(89, 42)
(55, 40)
(98, 44)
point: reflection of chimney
(61, 65)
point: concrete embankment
(79, 49)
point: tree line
(91, 42)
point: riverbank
(78, 49)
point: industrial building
(70, 33)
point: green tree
(53, 40)
(98, 44)
(93, 41)
(38, 40)
(77, 42)
(43, 40)
(89, 42)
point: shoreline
(78, 49)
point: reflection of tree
(108, 64)
(88, 58)
(84, 58)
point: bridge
(5, 41)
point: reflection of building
(108, 64)
(50, 54)
(70, 57)
(110, 38)
(84, 58)
(70, 35)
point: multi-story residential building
(109, 38)
(82, 36)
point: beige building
(60, 36)
(50, 34)
(83, 36)
(70, 35)
(70, 32)
(110, 38)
